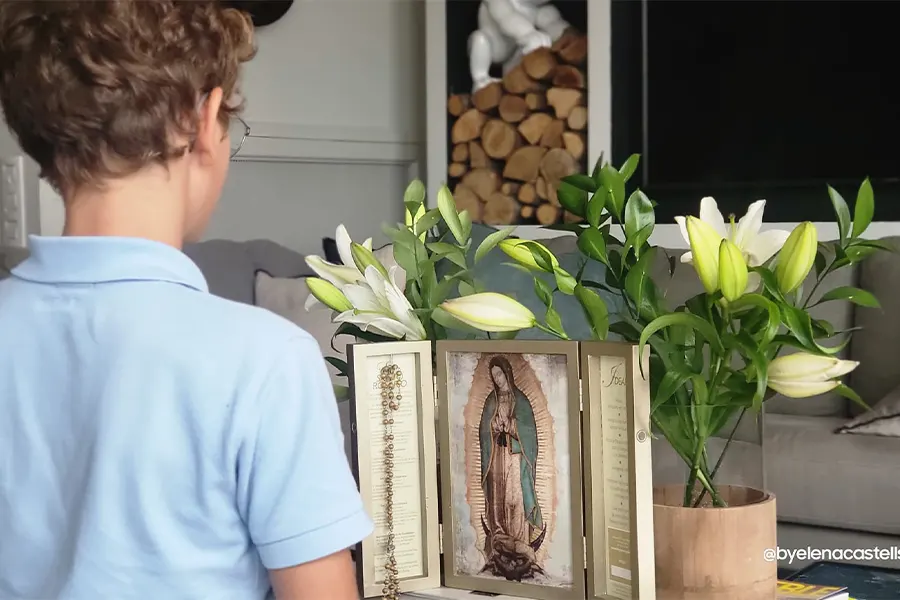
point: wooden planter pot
(715, 553)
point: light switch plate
(13, 228)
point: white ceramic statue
(508, 30)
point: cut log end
(466, 199)
(552, 137)
(456, 170)
(460, 153)
(532, 128)
(513, 109)
(527, 194)
(457, 104)
(484, 182)
(499, 209)
(477, 158)
(468, 126)
(535, 100)
(539, 64)
(556, 164)
(564, 100)
(547, 214)
(487, 98)
(524, 164)
(517, 81)
(568, 76)
(574, 50)
(578, 118)
(573, 142)
(499, 139)
(510, 188)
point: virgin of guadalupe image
(512, 521)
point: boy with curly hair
(156, 442)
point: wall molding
(293, 143)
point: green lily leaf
(573, 199)
(543, 291)
(629, 166)
(592, 244)
(554, 322)
(427, 221)
(465, 221)
(851, 395)
(594, 310)
(756, 361)
(595, 207)
(613, 182)
(800, 324)
(638, 214)
(340, 365)
(673, 379)
(864, 209)
(773, 320)
(414, 195)
(701, 327)
(582, 182)
(488, 243)
(852, 294)
(638, 280)
(449, 251)
(841, 213)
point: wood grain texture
(715, 553)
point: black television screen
(759, 99)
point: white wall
(335, 102)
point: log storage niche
(514, 135)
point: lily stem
(715, 470)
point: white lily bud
(520, 251)
(705, 251)
(489, 311)
(732, 271)
(803, 375)
(336, 274)
(329, 295)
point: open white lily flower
(380, 306)
(337, 275)
(756, 246)
(342, 241)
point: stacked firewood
(513, 140)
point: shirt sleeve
(296, 490)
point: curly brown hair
(98, 89)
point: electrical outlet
(13, 230)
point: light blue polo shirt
(158, 442)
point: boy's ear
(209, 131)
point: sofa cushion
(825, 479)
(230, 267)
(286, 297)
(882, 419)
(874, 345)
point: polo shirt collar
(102, 259)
